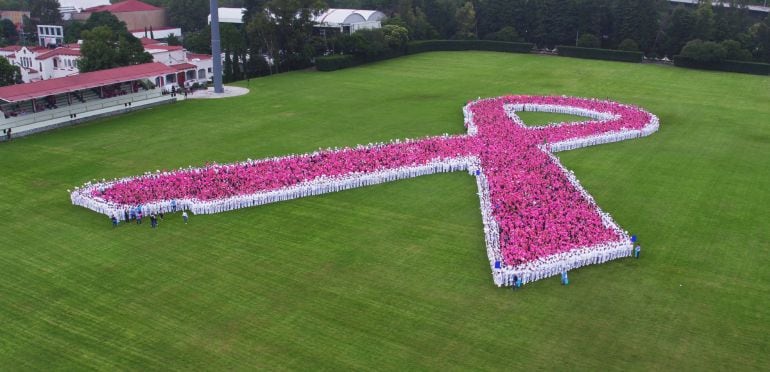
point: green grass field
(394, 276)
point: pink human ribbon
(538, 219)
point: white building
(347, 21)
(37, 63)
(344, 20)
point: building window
(209, 70)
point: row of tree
(655, 27)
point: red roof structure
(123, 7)
(43, 88)
(59, 52)
(165, 48)
(191, 56)
(148, 41)
(183, 66)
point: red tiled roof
(39, 89)
(16, 48)
(165, 48)
(198, 56)
(11, 48)
(60, 52)
(183, 66)
(122, 7)
(148, 41)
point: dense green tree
(735, 50)
(465, 17)
(282, 29)
(8, 31)
(704, 21)
(396, 36)
(629, 45)
(106, 19)
(761, 40)
(507, 33)
(9, 74)
(704, 51)
(637, 20)
(190, 15)
(103, 49)
(173, 40)
(588, 41)
(678, 31)
(198, 41)
(45, 12)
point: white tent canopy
(338, 17)
(329, 18)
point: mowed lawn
(394, 277)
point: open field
(394, 276)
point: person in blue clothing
(114, 221)
(637, 251)
(564, 278)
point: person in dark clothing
(114, 221)
(125, 215)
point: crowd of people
(538, 220)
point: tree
(173, 40)
(465, 17)
(507, 33)
(735, 50)
(704, 51)
(106, 19)
(588, 41)
(9, 74)
(8, 30)
(190, 15)
(628, 45)
(103, 49)
(679, 30)
(198, 41)
(638, 20)
(395, 36)
(282, 29)
(704, 22)
(45, 12)
(761, 39)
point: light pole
(216, 50)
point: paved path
(209, 93)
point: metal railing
(74, 109)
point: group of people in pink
(538, 220)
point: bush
(593, 53)
(457, 45)
(335, 62)
(628, 45)
(588, 41)
(728, 65)
(704, 51)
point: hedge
(335, 62)
(593, 53)
(730, 66)
(456, 45)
